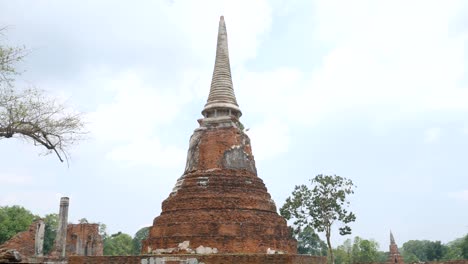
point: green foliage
(321, 205)
(424, 250)
(14, 219)
(360, 251)
(382, 257)
(8, 57)
(454, 250)
(137, 239)
(50, 231)
(103, 231)
(464, 247)
(343, 253)
(435, 251)
(140, 235)
(364, 250)
(118, 244)
(409, 257)
(308, 242)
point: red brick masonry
(206, 259)
(220, 202)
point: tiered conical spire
(221, 100)
(392, 239)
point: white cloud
(138, 102)
(13, 179)
(432, 135)
(40, 202)
(136, 109)
(269, 139)
(148, 152)
(460, 195)
(392, 68)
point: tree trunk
(330, 250)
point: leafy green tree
(435, 250)
(308, 242)
(343, 253)
(31, 115)
(382, 257)
(118, 244)
(50, 231)
(321, 205)
(103, 231)
(424, 250)
(14, 219)
(137, 239)
(364, 250)
(454, 251)
(409, 257)
(464, 247)
(416, 248)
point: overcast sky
(375, 91)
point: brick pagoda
(394, 256)
(219, 204)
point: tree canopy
(321, 205)
(308, 242)
(423, 250)
(137, 239)
(118, 244)
(14, 219)
(50, 231)
(360, 251)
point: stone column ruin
(39, 239)
(61, 238)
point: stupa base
(201, 259)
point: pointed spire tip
(221, 99)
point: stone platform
(201, 259)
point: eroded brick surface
(206, 259)
(220, 202)
(23, 242)
(394, 256)
(84, 240)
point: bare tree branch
(31, 115)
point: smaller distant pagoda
(394, 256)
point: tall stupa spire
(221, 100)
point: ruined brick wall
(23, 242)
(206, 259)
(84, 240)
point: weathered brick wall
(84, 240)
(198, 259)
(23, 242)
